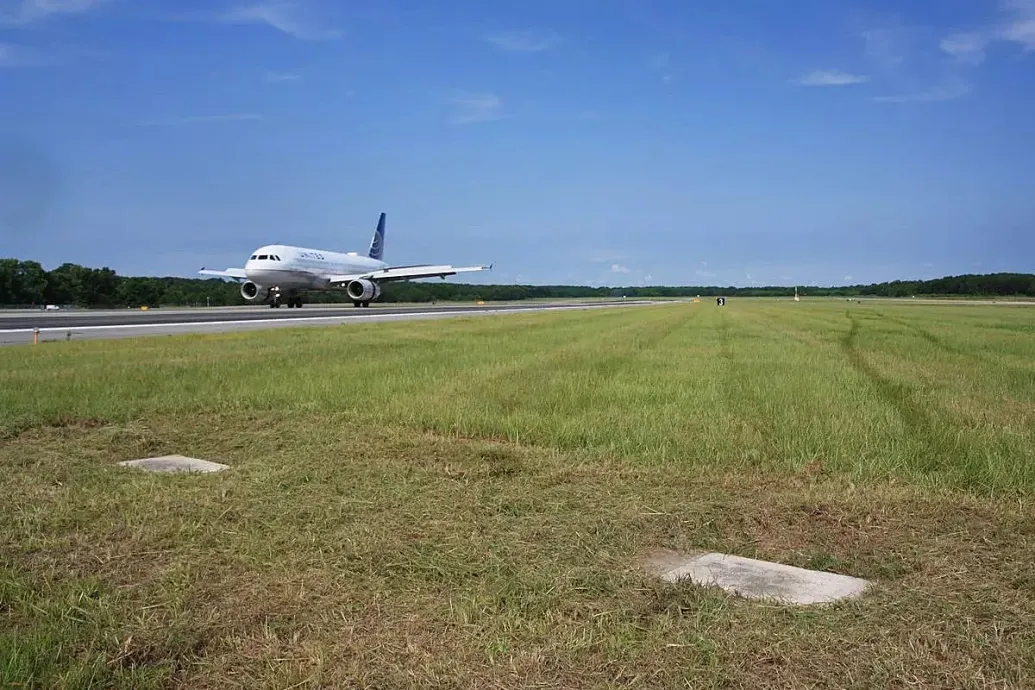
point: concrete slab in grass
(174, 463)
(756, 579)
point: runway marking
(282, 320)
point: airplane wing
(236, 273)
(406, 273)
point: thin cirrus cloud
(276, 77)
(949, 90)
(12, 55)
(661, 63)
(478, 107)
(888, 47)
(524, 41)
(965, 47)
(1017, 26)
(199, 119)
(896, 51)
(15, 13)
(289, 18)
(831, 78)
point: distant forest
(27, 283)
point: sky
(603, 142)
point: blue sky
(609, 142)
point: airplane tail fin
(377, 243)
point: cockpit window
(263, 257)
(255, 256)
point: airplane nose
(262, 276)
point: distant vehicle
(276, 271)
(51, 307)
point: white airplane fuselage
(299, 268)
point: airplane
(278, 270)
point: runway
(18, 327)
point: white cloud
(8, 54)
(12, 55)
(524, 41)
(1020, 27)
(660, 61)
(14, 13)
(1017, 26)
(481, 107)
(848, 278)
(285, 17)
(199, 119)
(888, 46)
(948, 91)
(1021, 31)
(15, 55)
(619, 268)
(965, 47)
(832, 78)
(275, 77)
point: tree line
(27, 283)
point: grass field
(467, 503)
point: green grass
(467, 503)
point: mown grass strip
(465, 504)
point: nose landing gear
(292, 300)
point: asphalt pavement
(19, 326)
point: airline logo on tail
(377, 244)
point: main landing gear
(291, 301)
(361, 304)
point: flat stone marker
(756, 579)
(174, 463)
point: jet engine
(250, 291)
(363, 290)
